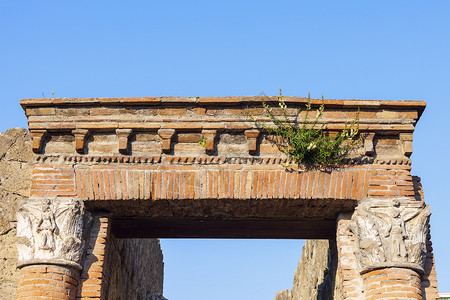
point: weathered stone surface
(283, 295)
(15, 180)
(315, 275)
(136, 269)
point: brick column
(392, 283)
(50, 245)
(47, 282)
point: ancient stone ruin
(107, 172)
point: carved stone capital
(391, 233)
(51, 232)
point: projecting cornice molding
(218, 127)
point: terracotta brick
(360, 185)
(320, 185)
(354, 188)
(254, 185)
(167, 185)
(158, 185)
(231, 185)
(325, 186)
(348, 190)
(136, 190)
(182, 186)
(298, 186)
(282, 185)
(265, 177)
(141, 180)
(343, 185)
(287, 186)
(176, 185)
(243, 185)
(221, 100)
(124, 184)
(276, 184)
(215, 181)
(172, 111)
(116, 174)
(293, 187)
(226, 184)
(376, 193)
(192, 186)
(209, 183)
(220, 184)
(40, 111)
(379, 187)
(309, 185)
(402, 187)
(366, 184)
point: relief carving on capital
(391, 233)
(51, 231)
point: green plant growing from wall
(203, 142)
(306, 142)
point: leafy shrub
(306, 142)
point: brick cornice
(189, 101)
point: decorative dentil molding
(51, 232)
(391, 233)
(203, 160)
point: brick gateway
(133, 167)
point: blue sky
(389, 50)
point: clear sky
(390, 50)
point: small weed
(203, 142)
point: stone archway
(133, 167)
